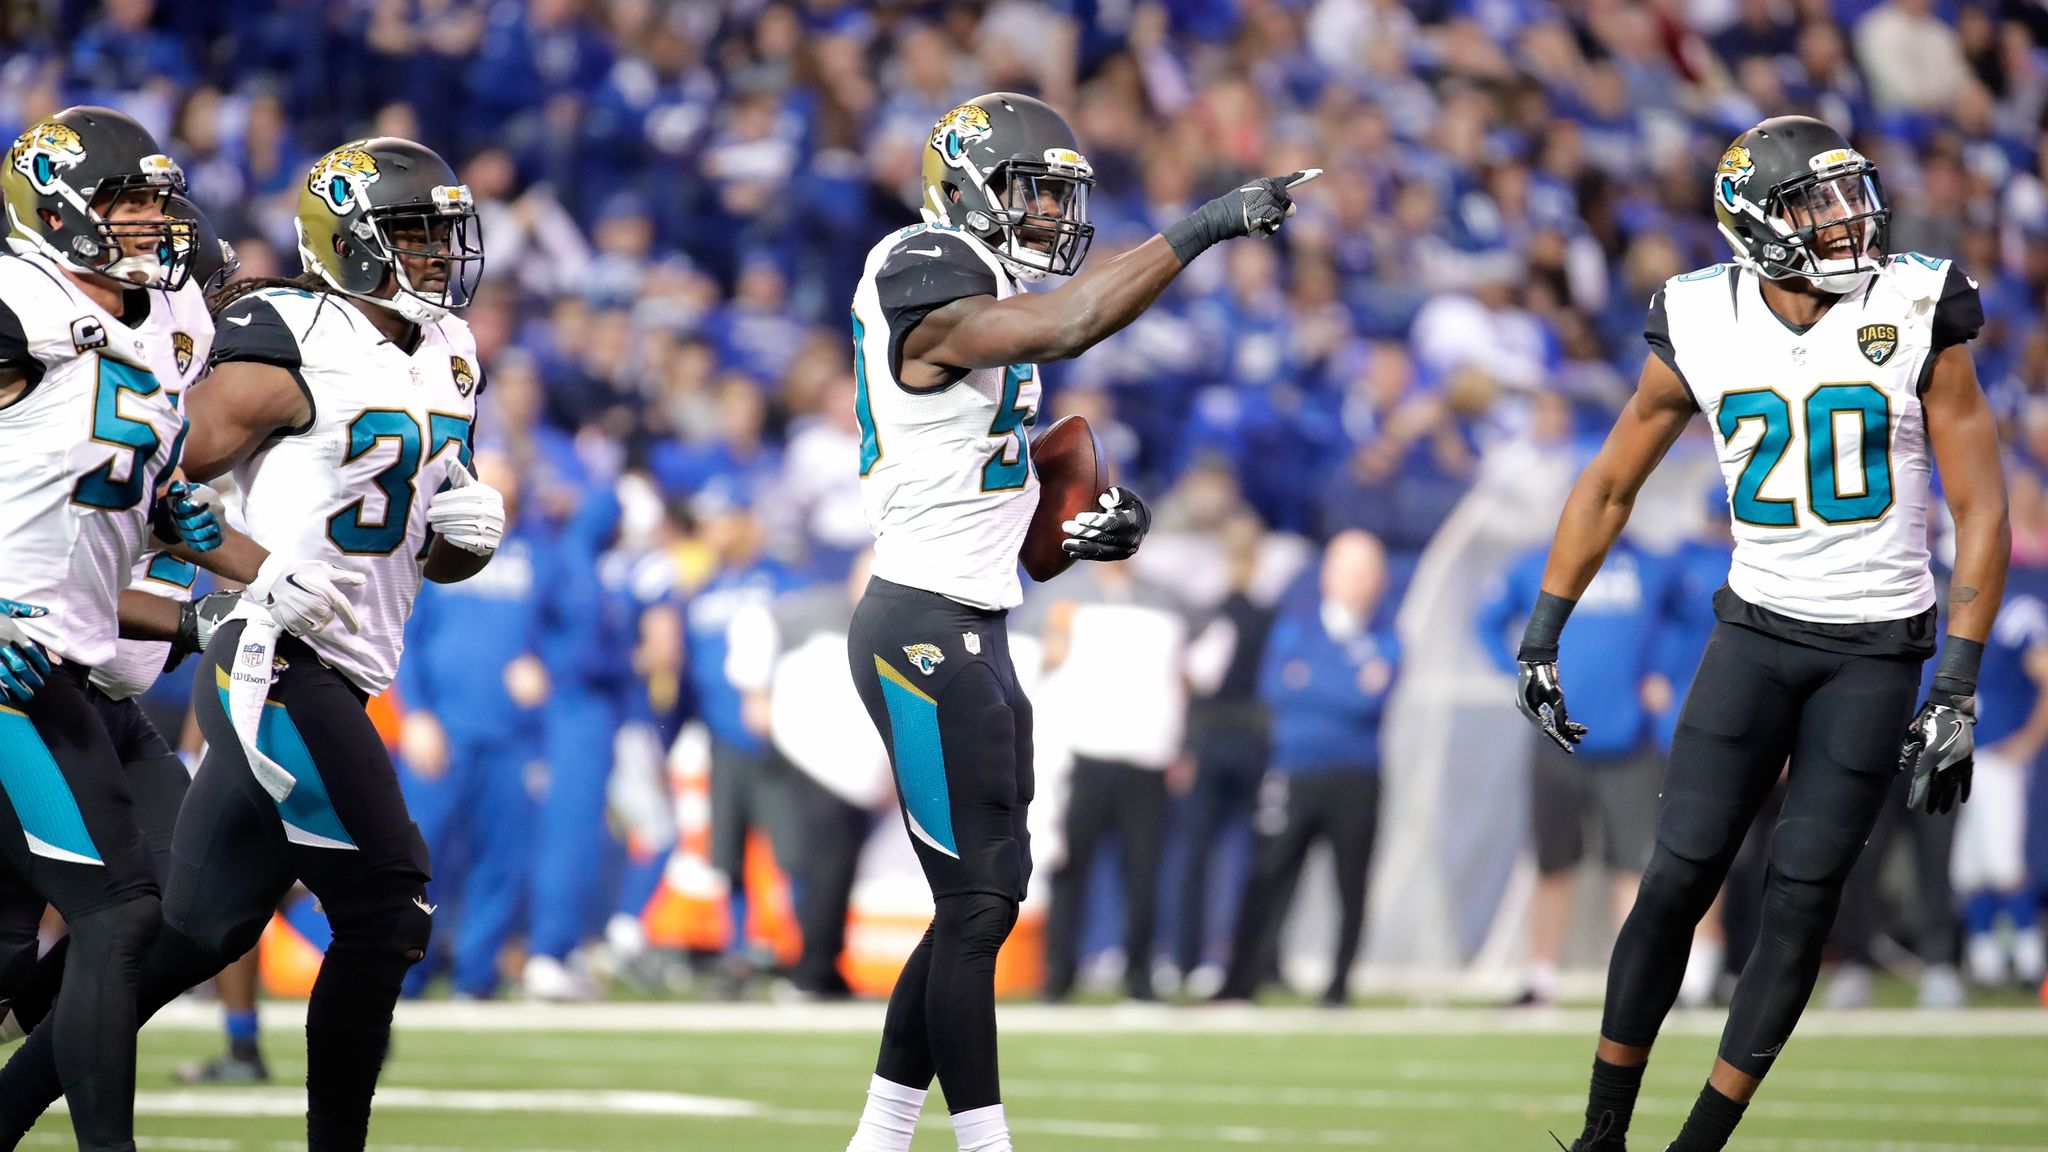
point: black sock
(1610, 1102)
(1713, 1120)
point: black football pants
(1757, 701)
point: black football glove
(1541, 699)
(1112, 534)
(1940, 750)
(1254, 209)
(197, 621)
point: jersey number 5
(1010, 464)
(1855, 415)
(98, 488)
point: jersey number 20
(1833, 412)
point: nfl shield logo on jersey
(181, 350)
(1877, 341)
(927, 657)
(465, 380)
(973, 642)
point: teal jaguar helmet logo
(957, 130)
(45, 150)
(927, 657)
(341, 176)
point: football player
(156, 776)
(342, 402)
(1835, 377)
(946, 347)
(100, 333)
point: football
(1072, 472)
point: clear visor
(140, 244)
(1838, 218)
(1049, 219)
(438, 257)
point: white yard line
(453, 1016)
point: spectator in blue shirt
(746, 786)
(1325, 678)
(473, 685)
(1614, 775)
(1989, 867)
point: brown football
(1072, 472)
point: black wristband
(1546, 624)
(1957, 672)
(1193, 233)
(187, 639)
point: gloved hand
(1112, 534)
(197, 621)
(304, 596)
(1940, 750)
(197, 513)
(1541, 699)
(23, 663)
(1254, 209)
(469, 515)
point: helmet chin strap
(152, 270)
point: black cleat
(227, 1068)
(1599, 1136)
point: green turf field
(670, 1077)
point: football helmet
(1793, 198)
(371, 205)
(73, 165)
(210, 259)
(1006, 169)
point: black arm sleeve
(1657, 333)
(1959, 314)
(14, 351)
(251, 330)
(926, 272)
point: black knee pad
(383, 928)
(981, 921)
(124, 930)
(1676, 884)
(1816, 851)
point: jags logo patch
(927, 657)
(341, 175)
(1733, 174)
(45, 150)
(1878, 341)
(181, 351)
(465, 380)
(959, 129)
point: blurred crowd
(677, 196)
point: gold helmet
(371, 205)
(73, 166)
(992, 168)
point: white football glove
(470, 515)
(304, 596)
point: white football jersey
(352, 487)
(1820, 432)
(946, 476)
(137, 663)
(84, 452)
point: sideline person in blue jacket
(1324, 678)
(473, 685)
(1615, 669)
